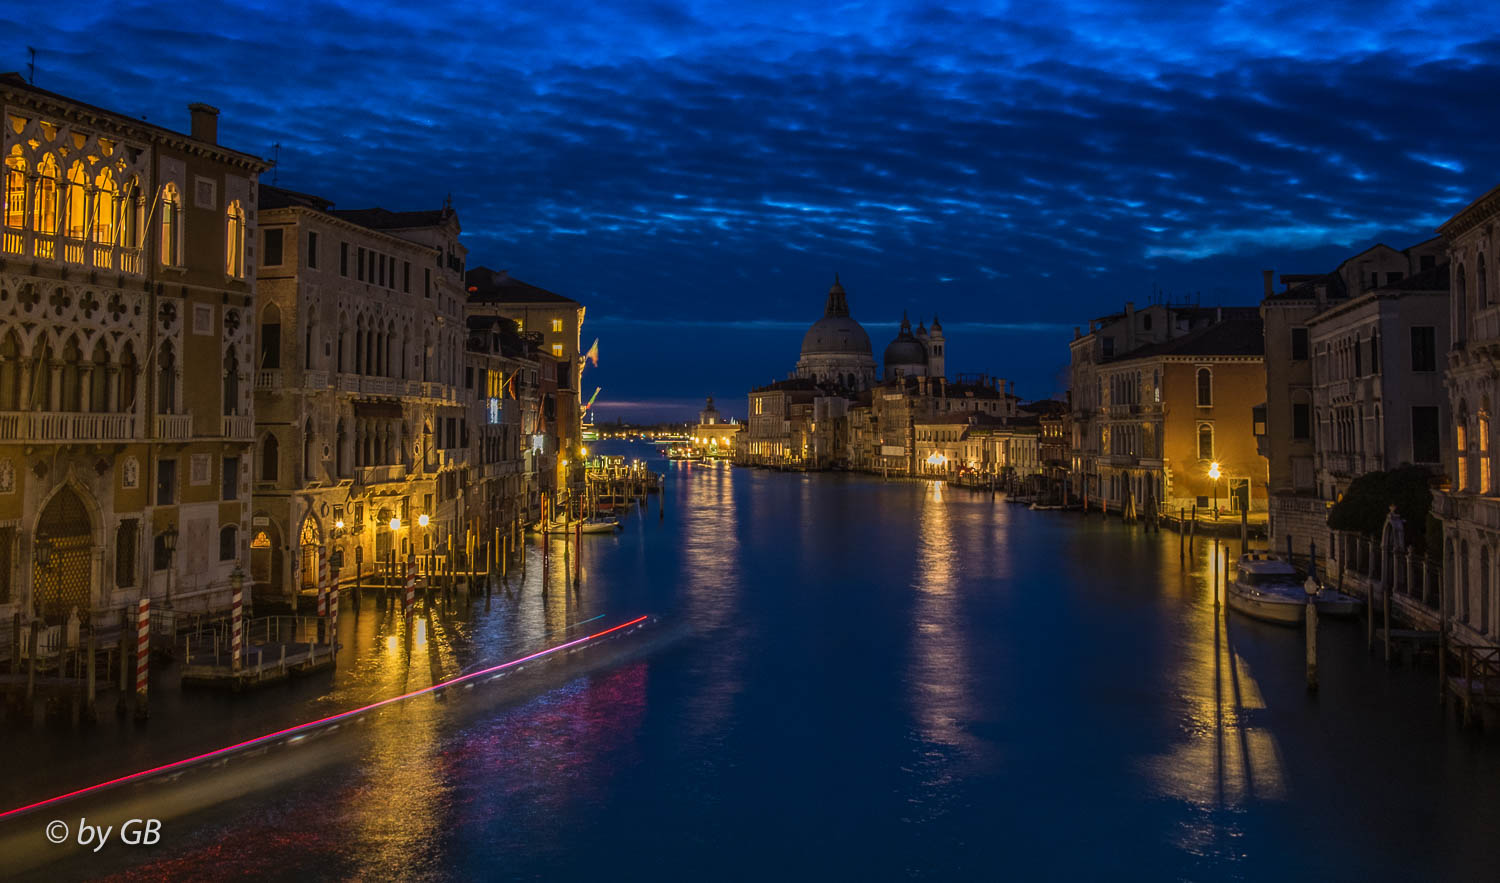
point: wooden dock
(275, 648)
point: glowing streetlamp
(1214, 473)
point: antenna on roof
(31, 66)
(275, 162)
(448, 200)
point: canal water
(866, 680)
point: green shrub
(1364, 506)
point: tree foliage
(1364, 506)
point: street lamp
(1214, 473)
(422, 522)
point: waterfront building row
(202, 376)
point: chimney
(1265, 281)
(205, 122)
(1218, 314)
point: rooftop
(1232, 337)
(498, 286)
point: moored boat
(600, 524)
(1266, 587)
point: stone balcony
(314, 380)
(268, 380)
(236, 427)
(367, 475)
(52, 427)
(174, 427)
(1471, 508)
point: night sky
(696, 173)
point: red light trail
(187, 761)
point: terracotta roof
(497, 286)
(275, 197)
(1231, 337)
(1432, 279)
(385, 219)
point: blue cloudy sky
(696, 172)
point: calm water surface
(874, 680)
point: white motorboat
(1267, 588)
(601, 524)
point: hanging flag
(510, 385)
(593, 354)
(590, 402)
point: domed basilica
(836, 350)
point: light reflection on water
(901, 679)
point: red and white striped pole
(411, 588)
(236, 620)
(142, 653)
(333, 621)
(322, 582)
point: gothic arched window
(234, 244)
(171, 226)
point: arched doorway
(310, 539)
(265, 559)
(65, 582)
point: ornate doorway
(64, 538)
(309, 539)
(265, 559)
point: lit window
(15, 191)
(44, 209)
(171, 226)
(77, 202)
(557, 350)
(104, 208)
(1484, 453)
(234, 246)
(557, 325)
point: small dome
(905, 349)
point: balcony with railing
(237, 427)
(44, 246)
(379, 386)
(268, 380)
(174, 427)
(57, 427)
(314, 379)
(367, 475)
(348, 383)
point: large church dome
(836, 332)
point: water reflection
(938, 676)
(1225, 758)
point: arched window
(270, 338)
(10, 372)
(171, 226)
(234, 245)
(1205, 388)
(1481, 282)
(340, 461)
(44, 205)
(125, 403)
(1484, 588)
(231, 383)
(308, 448)
(1205, 441)
(1463, 580)
(228, 541)
(99, 379)
(105, 198)
(166, 380)
(1460, 305)
(270, 459)
(78, 214)
(15, 190)
(1483, 455)
(1461, 444)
